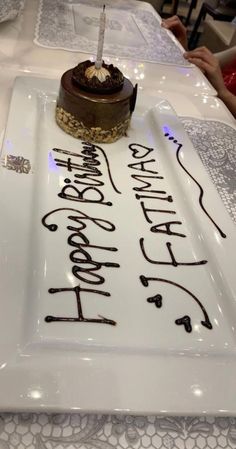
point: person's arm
(175, 25)
(226, 56)
(209, 64)
(229, 100)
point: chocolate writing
(172, 260)
(84, 268)
(158, 301)
(77, 291)
(85, 187)
(86, 172)
(145, 180)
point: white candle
(102, 26)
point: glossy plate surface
(116, 267)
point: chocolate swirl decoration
(179, 146)
(157, 300)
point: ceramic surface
(162, 268)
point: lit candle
(102, 26)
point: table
(191, 96)
(19, 51)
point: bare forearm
(229, 100)
(227, 56)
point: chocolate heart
(139, 151)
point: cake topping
(100, 73)
(105, 80)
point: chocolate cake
(95, 104)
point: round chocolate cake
(95, 104)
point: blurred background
(211, 22)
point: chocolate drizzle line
(135, 151)
(223, 235)
(53, 227)
(206, 322)
(172, 257)
(86, 271)
(107, 163)
(91, 147)
(80, 318)
(144, 209)
(80, 195)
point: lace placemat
(215, 143)
(9, 9)
(43, 431)
(132, 30)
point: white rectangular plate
(117, 267)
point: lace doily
(131, 31)
(9, 9)
(215, 143)
(42, 431)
